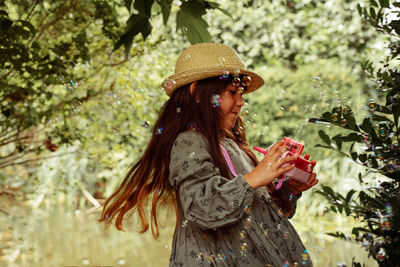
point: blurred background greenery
(78, 103)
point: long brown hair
(148, 178)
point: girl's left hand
(296, 187)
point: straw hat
(201, 61)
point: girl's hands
(296, 187)
(270, 167)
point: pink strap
(228, 160)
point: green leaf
(329, 191)
(324, 137)
(384, 3)
(190, 16)
(217, 6)
(367, 126)
(359, 8)
(144, 7)
(375, 203)
(372, 12)
(339, 144)
(395, 24)
(136, 24)
(362, 157)
(374, 3)
(128, 4)
(165, 9)
(349, 195)
(380, 118)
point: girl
(228, 213)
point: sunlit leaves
(189, 18)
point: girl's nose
(239, 101)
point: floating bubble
(183, 30)
(221, 61)
(236, 81)
(186, 57)
(191, 155)
(224, 75)
(192, 126)
(291, 196)
(243, 249)
(343, 123)
(316, 82)
(305, 257)
(337, 109)
(85, 262)
(184, 223)
(241, 90)
(372, 105)
(346, 110)
(169, 84)
(241, 234)
(145, 124)
(385, 224)
(178, 110)
(165, 245)
(382, 131)
(381, 254)
(121, 262)
(335, 116)
(282, 108)
(246, 81)
(215, 100)
(159, 130)
(286, 235)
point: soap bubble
(183, 30)
(192, 126)
(381, 254)
(335, 116)
(186, 57)
(224, 75)
(121, 262)
(316, 82)
(246, 81)
(346, 110)
(159, 131)
(178, 110)
(85, 262)
(220, 61)
(236, 81)
(184, 223)
(169, 84)
(240, 90)
(286, 235)
(215, 100)
(382, 131)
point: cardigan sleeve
(208, 199)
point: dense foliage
(374, 144)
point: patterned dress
(252, 231)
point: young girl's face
(231, 103)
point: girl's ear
(192, 86)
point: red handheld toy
(303, 167)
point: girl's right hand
(270, 167)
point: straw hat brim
(187, 77)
